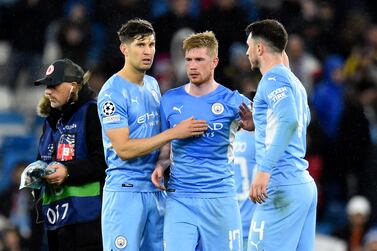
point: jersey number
(260, 230)
(234, 238)
(53, 215)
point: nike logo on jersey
(271, 78)
(178, 109)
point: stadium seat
(12, 124)
(16, 149)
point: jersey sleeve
(163, 117)
(112, 110)
(280, 99)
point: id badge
(66, 147)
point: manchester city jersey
(124, 104)
(280, 102)
(244, 163)
(202, 166)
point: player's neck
(202, 89)
(269, 61)
(132, 75)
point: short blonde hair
(205, 39)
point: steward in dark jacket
(71, 143)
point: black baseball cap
(62, 70)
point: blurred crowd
(332, 49)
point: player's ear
(123, 48)
(260, 49)
(215, 62)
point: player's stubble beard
(255, 64)
(201, 80)
(144, 67)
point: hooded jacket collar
(85, 94)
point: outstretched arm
(127, 148)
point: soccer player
(202, 212)
(286, 216)
(128, 107)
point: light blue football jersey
(124, 104)
(280, 100)
(244, 163)
(202, 166)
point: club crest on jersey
(217, 108)
(108, 108)
(120, 242)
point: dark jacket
(93, 168)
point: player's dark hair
(135, 28)
(271, 31)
